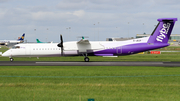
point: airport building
(174, 39)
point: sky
(94, 19)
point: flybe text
(163, 32)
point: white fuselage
(70, 48)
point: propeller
(61, 45)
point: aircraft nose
(5, 54)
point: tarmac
(70, 63)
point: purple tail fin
(162, 31)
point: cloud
(120, 6)
(167, 2)
(100, 4)
(15, 16)
(81, 15)
(2, 1)
(57, 16)
(68, 5)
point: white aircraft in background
(37, 40)
(7, 42)
(158, 39)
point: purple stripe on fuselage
(130, 49)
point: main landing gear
(11, 59)
(86, 59)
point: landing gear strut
(86, 59)
(11, 59)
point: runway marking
(107, 62)
(90, 76)
(101, 63)
(93, 63)
(60, 62)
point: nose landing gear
(11, 59)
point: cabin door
(28, 50)
(119, 50)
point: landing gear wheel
(86, 59)
(11, 59)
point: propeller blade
(62, 51)
(61, 38)
(61, 44)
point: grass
(103, 83)
(170, 48)
(3, 49)
(79, 83)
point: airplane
(158, 39)
(39, 41)
(7, 42)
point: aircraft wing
(83, 41)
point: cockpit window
(15, 47)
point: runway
(69, 63)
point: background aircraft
(158, 39)
(7, 42)
(37, 40)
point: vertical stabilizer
(162, 31)
(38, 41)
(22, 37)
